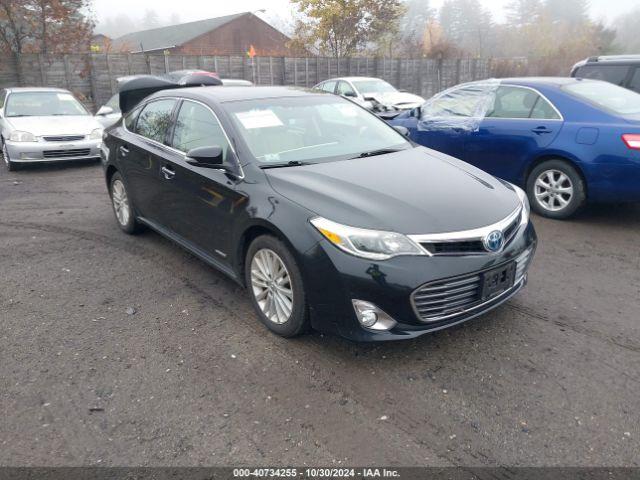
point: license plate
(495, 282)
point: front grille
(63, 138)
(511, 229)
(470, 246)
(523, 263)
(443, 298)
(453, 297)
(444, 248)
(80, 152)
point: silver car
(46, 125)
(371, 93)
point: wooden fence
(93, 77)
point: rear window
(607, 96)
(609, 73)
(635, 81)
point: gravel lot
(120, 350)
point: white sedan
(371, 93)
(46, 125)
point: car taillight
(632, 140)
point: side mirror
(351, 94)
(416, 112)
(207, 157)
(404, 131)
(104, 111)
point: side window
(154, 120)
(463, 102)
(615, 74)
(635, 81)
(114, 102)
(513, 102)
(544, 110)
(345, 89)
(3, 95)
(197, 127)
(329, 86)
(130, 119)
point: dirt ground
(121, 350)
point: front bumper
(32, 152)
(334, 279)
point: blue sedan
(566, 141)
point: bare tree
(43, 26)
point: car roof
(553, 81)
(612, 59)
(36, 89)
(531, 81)
(219, 94)
(350, 79)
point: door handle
(168, 173)
(124, 151)
(540, 130)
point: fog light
(372, 317)
(30, 155)
(368, 317)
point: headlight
(96, 134)
(18, 136)
(525, 203)
(371, 244)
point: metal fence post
(271, 70)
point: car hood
(414, 191)
(55, 125)
(397, 99)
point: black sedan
(331, 218)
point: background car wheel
(11, 166)
(274, 283)
(556, 189)
(122, 205)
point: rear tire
(274, 283)
(556, 189)
(123, 206)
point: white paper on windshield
(259, 119)
(65, 96)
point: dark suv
(622, 70)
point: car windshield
(373, 86)
(311, 129)
(607, 96)
(31, 104)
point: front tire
(275, 286)
(556, 189)
(123, 206)
(11, 166)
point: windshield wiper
(373, 153)
(292, 163)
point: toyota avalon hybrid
(331, 218)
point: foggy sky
(190, 10)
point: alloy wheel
(120, 202)
(553, 190)
(271, 286)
